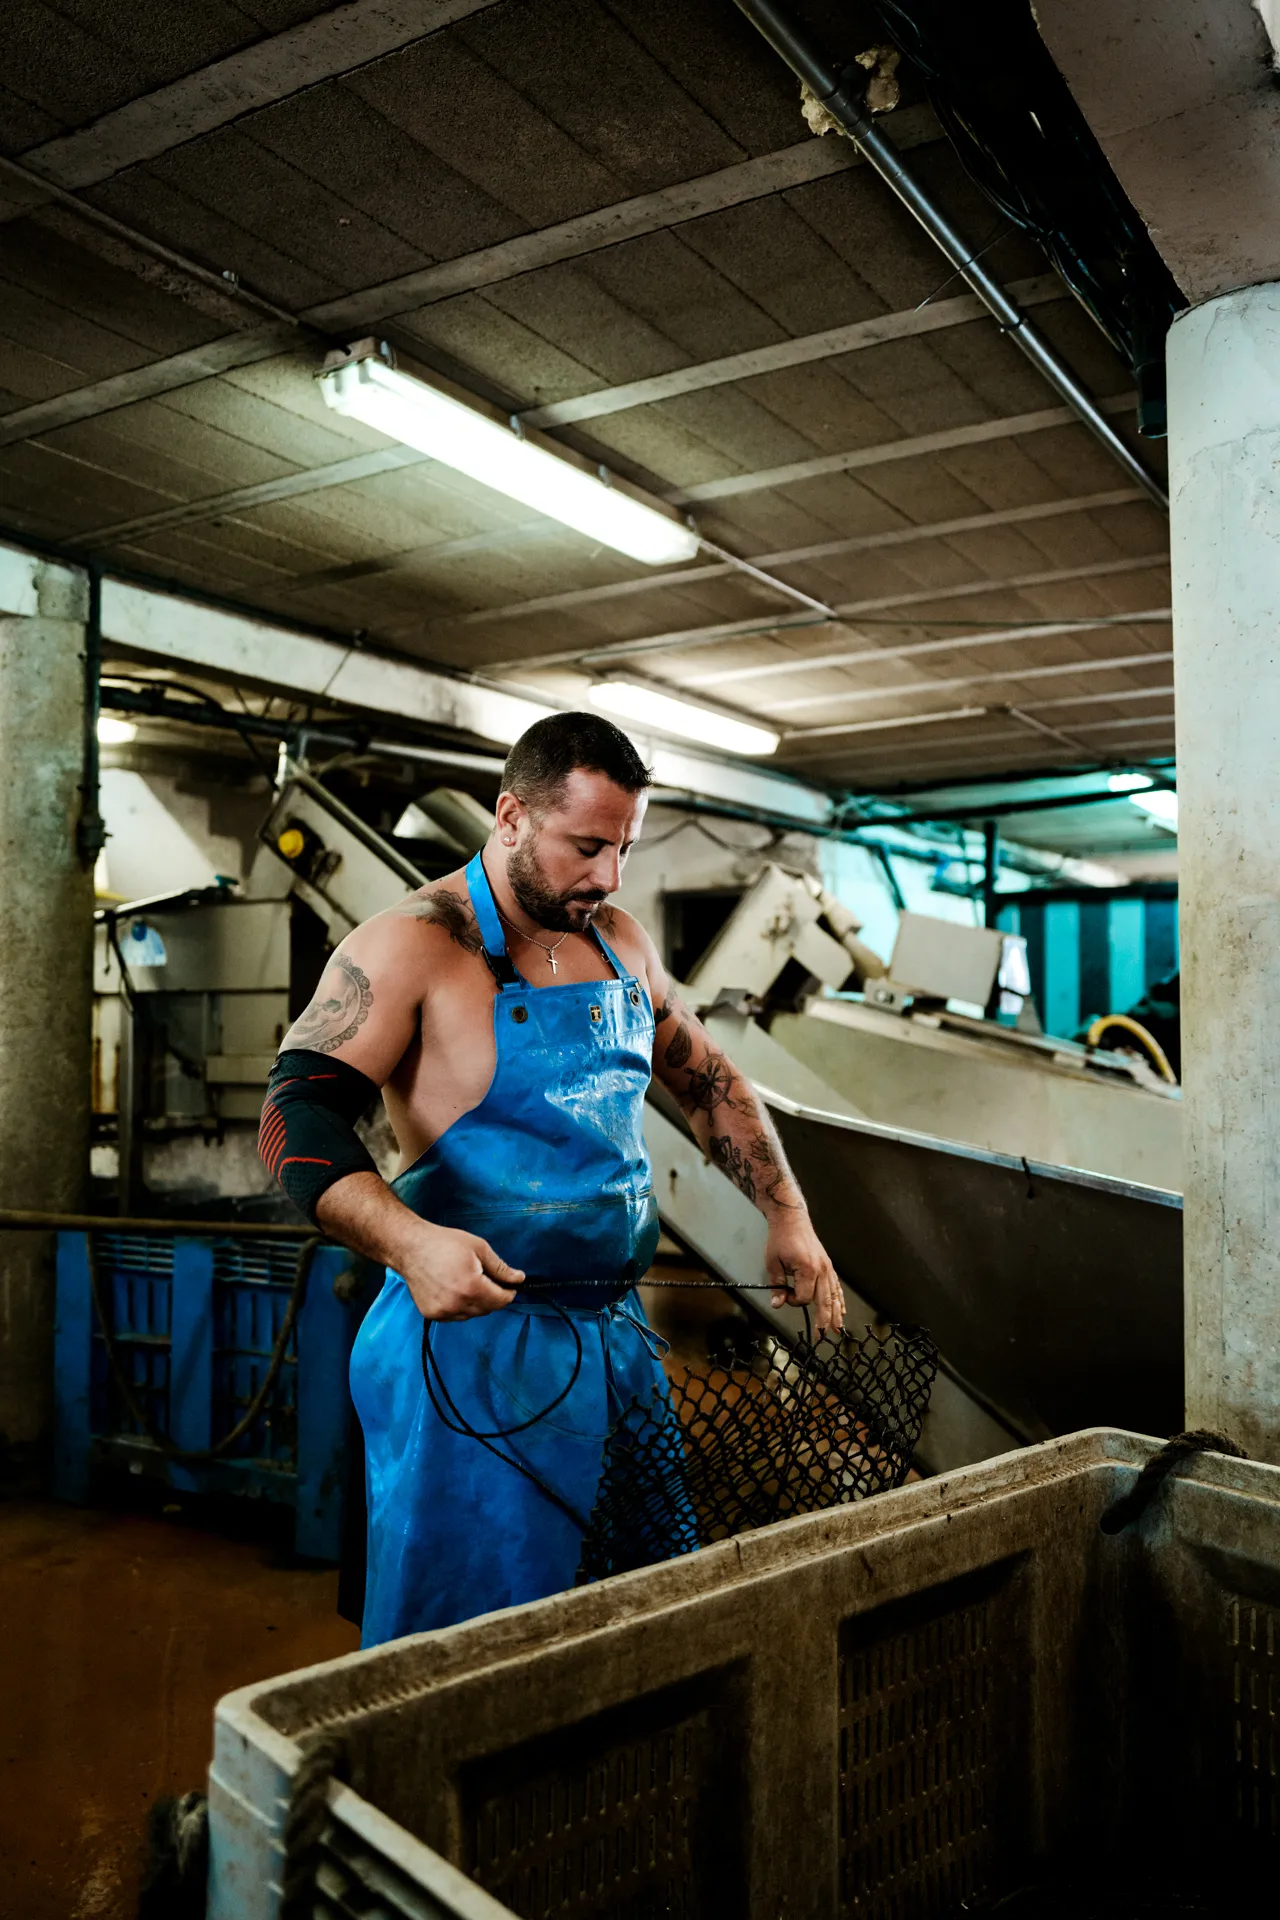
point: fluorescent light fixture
(1159, 802)
(500, 456)
(113, 732)
(1129, 782)
(1161, 805)
(646, 707)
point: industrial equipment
(1054, 1294)
(195, 991)
(917, 1051)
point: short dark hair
(550, 750)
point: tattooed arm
(732, 1126)
(366, 1013)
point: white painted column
(46, 953)
(1224, 446)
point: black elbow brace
(307, 1138)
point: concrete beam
(335, 42)
(1102, 699)
(35, 588)
(1183, 100)
(953, 643)
(651, 582)
(688, 637)
(340, 473)
(146, 383)
(1007, 427)
(164, 626)
(977, 747)
(933, 317)
(769, 173)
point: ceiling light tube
(1128, 782)
(1161, 805)
(645, 706)
(499, 455)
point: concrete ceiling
(612, 220)
(1183, 97)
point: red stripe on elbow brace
(307, 1138)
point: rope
(324, 1759)
(1158, 1468)
(297, 1295)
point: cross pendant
(551, 962)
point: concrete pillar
(1224, 446)
(46, 966)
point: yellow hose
(1159, 1058)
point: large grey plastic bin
(897, 1709)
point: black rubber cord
(456, 1421)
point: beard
(557, 912)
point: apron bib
(551, 1169)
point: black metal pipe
(1001, 810)
(21, 1220)
(990, 871)
(841, 93)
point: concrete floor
(118, 1632)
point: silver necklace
(550, 951)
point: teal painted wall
(1096, 955)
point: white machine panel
(945, 961)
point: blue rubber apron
(551, 1169)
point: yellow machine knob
(291, 842)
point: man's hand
(796, 1262)
(453, 1275)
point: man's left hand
(796, 1262)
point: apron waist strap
(578, 1296)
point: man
(508, 1015)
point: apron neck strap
(495, 945)
(499, 961)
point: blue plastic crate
(195, 1322)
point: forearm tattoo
(334, 1018)
(774, 1173)
(710, 1085)
(707, 1085)
(445, 909)
(725, 1153)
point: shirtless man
(512, 1020)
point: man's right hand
(453, 1275)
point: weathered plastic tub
(898, 1710)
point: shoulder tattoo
(334, 1018)
(445, 909)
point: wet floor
(118, 1632)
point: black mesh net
(766, 1431)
